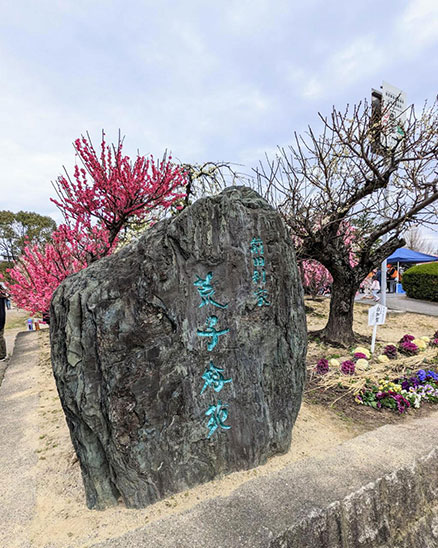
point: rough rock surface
(136, 378)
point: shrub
(362, 363)
(392, 400)
(420, 343)
(362, 350)
(408, 348)
(421, 282)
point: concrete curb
(18, 439)
(377, 490)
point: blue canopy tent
(407, 256)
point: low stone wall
(377, 490)
(397, 510)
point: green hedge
(421, 282)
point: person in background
(392, 278)
(378, 276)
(375, 288)
(3, 298)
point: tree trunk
(339, 328)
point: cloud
(206, 81)
(313, 89)
(417, 27)
(345, 67)
(359, 58)
(395, 38)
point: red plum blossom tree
(105, 195)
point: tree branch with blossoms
(104, 196)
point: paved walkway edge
(18, 440)
(400, 303)
(377, 490)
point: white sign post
(376, 316)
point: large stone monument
(181, 357)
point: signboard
(393, 115)
(377, 314)
(389, 111)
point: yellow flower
(383, 359)
(334, 363)
(425, 339)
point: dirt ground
(62, 519)
(397, 325)
(61, 515)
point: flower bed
(401, 393)
(393, 379)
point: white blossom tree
(348, 196)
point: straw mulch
(351, 385)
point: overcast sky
(222, 81)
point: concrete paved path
(9, 335)
(18, 442)
(404, 304)
(401, 302)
